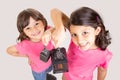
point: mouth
(36, 34)
(83, 45)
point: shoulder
(106, 51)
(106, 54)
(23, 43)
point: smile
(37, 33)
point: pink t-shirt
(82, 63)
(32, 50)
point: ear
(97, 31)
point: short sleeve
(106, 60)
(21, 48)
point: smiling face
(84, 36)
(34, 30)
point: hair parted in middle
(24, 18)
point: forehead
(32, 20)
(76, 28)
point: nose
(34, 28)
(80, 39)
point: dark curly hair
(89, 17)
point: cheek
(26, 33)
(41, 28)
(91, 39)
(41, 33)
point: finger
(43, 40)
(46, 40)
(57, 44)
(53, 37)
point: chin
(84, 48)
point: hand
(29, 61)
(63, 78)
(58, 36)
(46, 37)
(60, 21)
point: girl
(88, 47)
(31, 25)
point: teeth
(83, 44)
(35, 34)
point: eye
(36, 23)
(27, 28)
(85, 33)
(73, 35)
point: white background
(16, 68)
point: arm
(57, 34)
(101, 73)
(13, 51)
(60, 21)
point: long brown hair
(23, 21)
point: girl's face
(84, 36)
(34, 30)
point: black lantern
(59, 60)
(45, 55)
